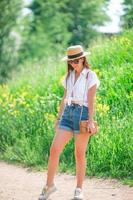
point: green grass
(29, 105)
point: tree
(55, 24)
(128, 16)
(9, 11)
(45, 29)
(85, 16)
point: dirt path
(17, 183)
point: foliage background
(29, 100)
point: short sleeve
(93, 79)
(64, 81)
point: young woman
(77, 104)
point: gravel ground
(18, 183)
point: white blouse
(78, 92)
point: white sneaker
(46, 192)
(78, 194)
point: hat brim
(67, 59)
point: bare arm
(91, 101)
(61, 107)
(91, 98)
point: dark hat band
(75, 56)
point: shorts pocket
(66, 112)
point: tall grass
(29, 104)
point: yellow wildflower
(58, 107)
(24, 94)
(50, 116)
(102, 108)
(125, 41)
(98, 72)
(15, 113)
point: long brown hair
(70, 68)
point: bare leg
(61, 138)
(81, 141)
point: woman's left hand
(91, 126)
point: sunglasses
(74, 61)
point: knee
(79, 154)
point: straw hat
(75, 52)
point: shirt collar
(85, 71)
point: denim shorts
(71, 117)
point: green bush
(29, 104)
